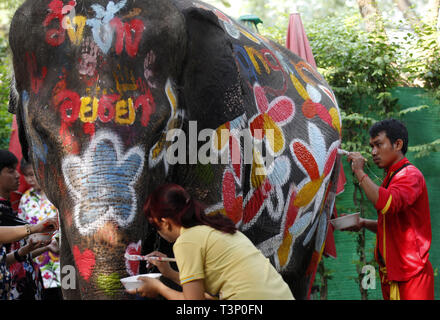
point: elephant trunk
(96, 265)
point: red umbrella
(298, 43)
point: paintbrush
(133, 257)
(346, 153)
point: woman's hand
(163, 266)
(32, 245)
(150, 288)
(54, 247)
(47, 225)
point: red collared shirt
(404, 223)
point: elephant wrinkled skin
(104, 90)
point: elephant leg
(298, 285)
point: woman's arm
(34, 247)
(13, 234)
(194, 290)
(52, 247)
(151, 288)
(10, 257)
(164, 267)
(173, 275)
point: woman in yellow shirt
(214, 258)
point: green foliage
(422, 59)
(361, 68)
(413, 109)
(424, 150)
(7, 8)
(274, 33)
(5, 116)
(323, 276)
(225, 3)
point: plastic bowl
(131, 283)
(347, 221)
(42, 236)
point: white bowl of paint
(42, 236)
(345, 222)
(131, 283)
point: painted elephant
(106, 91)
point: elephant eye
(40, 129)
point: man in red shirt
(403, 226)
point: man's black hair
(7, 159)
(394, 129)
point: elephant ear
(22, 135)
(13, 96)
(212, 93)
(16, 107)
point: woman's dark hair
(394, 129)
(24, 165)
(174, 202)
(7, 159)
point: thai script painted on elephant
(104, 27)
(106, 108)
(57, 11)
(101, 182)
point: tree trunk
(323, 289)
(434, 7)
(410, 15)
(362, 263)
(371, 14)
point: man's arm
(363, 223)
(370, 224)
(368, 186)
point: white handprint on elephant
(89, 58)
